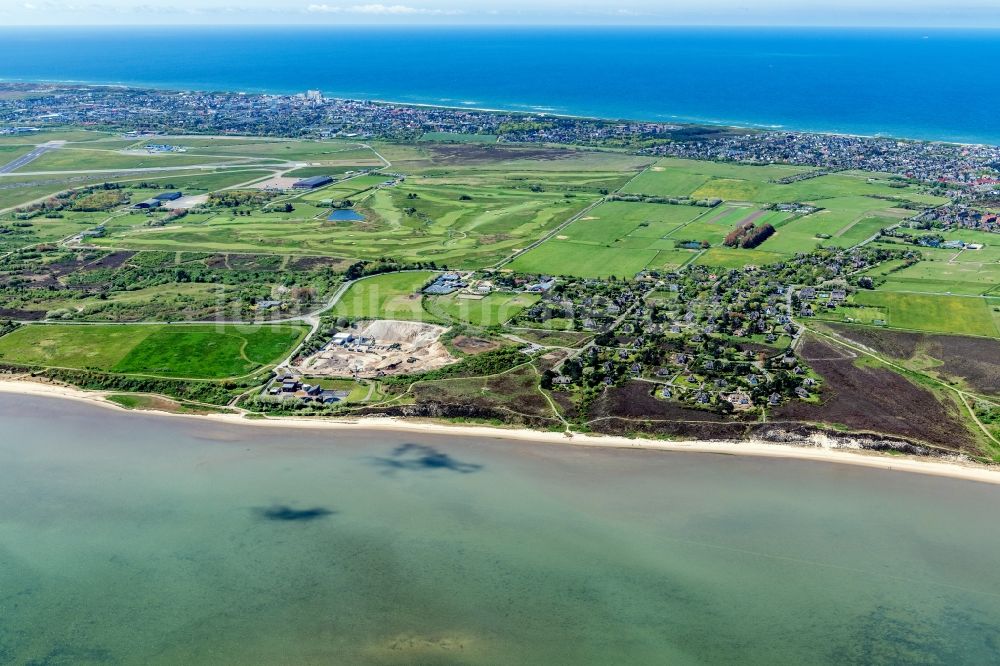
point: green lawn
(22, 189)
(336, 171)
(951, 271)
(256, 148)
(387, 296)
(698, 179)
(202, 351)
(846, 221)
(35, 138)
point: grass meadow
(197, 351)
(492, 310)
(387, 296)
(963, 315)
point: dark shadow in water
(285, 513)
(417, 458)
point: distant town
(970, 173)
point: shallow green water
(135, 539)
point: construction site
(380, 348)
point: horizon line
(568, 26)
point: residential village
(711, 340)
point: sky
(881, 13)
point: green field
(944, 277)
(726, 257)
(198, 351)
(680, 178)
(335, 171)
(456, 212)
(616, 220)
(758, 189)
(496, 308)
(854, 205)
(964, 315)
(843, 222)
(560, 257)
(387, 296)
(622, 238)
(18, 190)
(70, 135)
(80, 159)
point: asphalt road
(30, 157)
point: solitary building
(312, 183)
(169, 196)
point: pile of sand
(391, 348)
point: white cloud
(377, 10)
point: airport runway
(30, 157)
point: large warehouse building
(312, 183)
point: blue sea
(197, 542)
(918, 83)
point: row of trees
(747, 236)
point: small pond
(346, 215)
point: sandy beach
(954, 469)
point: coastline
(525, 110)
(911, 465)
